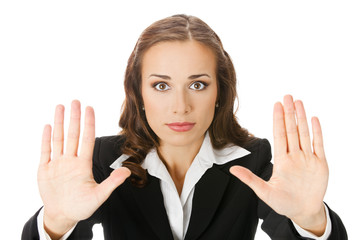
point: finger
(290, 124)
(116, 178)
(318, 143)
(74, 129)
(88, 139)
(280, 144)
(303, 128)
(258, 185)
(58, 136)
(46, 145)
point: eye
(198, 86)
(161, 86)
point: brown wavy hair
(139, 138)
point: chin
(182, 138)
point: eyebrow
(166, 77)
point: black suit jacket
(223, 207)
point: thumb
(258, 185)
(116, 178)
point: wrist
(56, 227)
(314, 223)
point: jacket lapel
(151, 203)
(207, 196)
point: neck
(178, 159)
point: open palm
(66, 183)
(300, 174)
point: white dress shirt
(178, 208)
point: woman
(194, 172)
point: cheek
(207, 107)
(210, 114)
(153, 108)
(212, 104)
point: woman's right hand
(65, 179)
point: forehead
(179, 56)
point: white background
(53, 52)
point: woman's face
(179, 91)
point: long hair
(139, 137)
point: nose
(181, 102)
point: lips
(181, 126)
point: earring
(143, 108)
(217, 104)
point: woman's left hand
(300, 175)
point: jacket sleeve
(278, 226)
(83, 229)
(30, 230)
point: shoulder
(259, 148)
(109, 144)
(106, 150)
(259, 158)
(258, 145)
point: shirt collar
(206, 157)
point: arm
(65, 178)
(43, 234)
(326, 234)
(299, 177)
(279, 226)
(30, 230)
